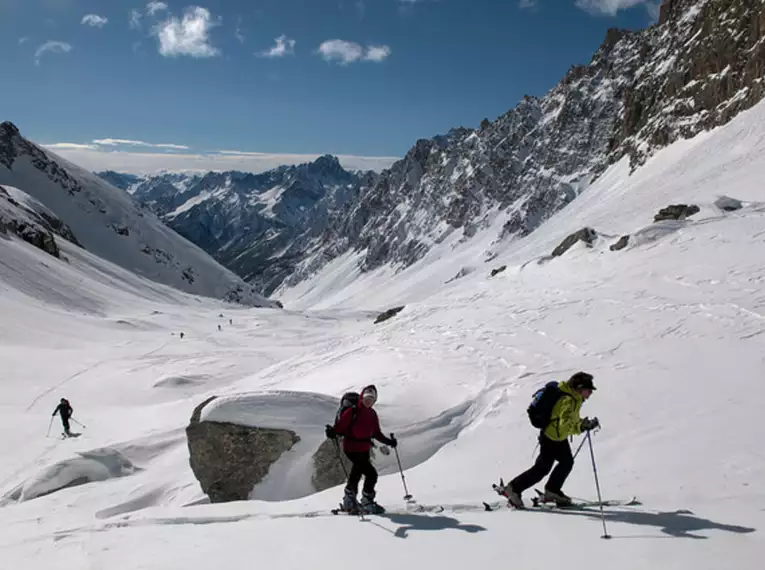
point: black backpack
(349, 400)
(542, 404)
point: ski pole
(78, 423)
(407, 496)
(597, 486)
(578, 449)
(50, 424)
(340, 457)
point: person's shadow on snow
(678, 524)
(409, 522)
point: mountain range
(696, 69)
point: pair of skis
(540, 502)
(412, 506)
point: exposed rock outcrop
(676, 212)
(586, 235)
(229, 459)
(390, 313)
(30, 222)
(621, 244)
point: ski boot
(512, 497)
(558, 497)
(368, 505)
(350, 504)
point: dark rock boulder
(676, 212)
(621, 244)
(229, 459)
(328, 472)
(389, 314)
(499, 269)
(587, 235)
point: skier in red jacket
(359, 426)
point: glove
(393, 442)
(589, 424)
(330, 432)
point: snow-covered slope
(672, 327)
(107, 223)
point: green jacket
(565, 420)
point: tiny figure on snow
(181, 335)
(359, 425)
(561, 420)
(65, 410)
(220, 329)
(231, 321)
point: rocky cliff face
(23, 216)
(695, 70)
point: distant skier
(359, 425)
(219, 329)
(564, 421)
(181, 335)
(231, 321)
(65, 410)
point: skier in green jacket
(553, 443)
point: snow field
(673, 328)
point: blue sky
(290, 78)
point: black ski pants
(65, 422)
(361, 466)
(549, 452)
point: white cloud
(154, 7)
(69, 146)
(607, 7)
(97, 159)
(378, 53)
(527, 4)
(51, 47)
(117, 142)
(284, 46)
(135, 20)
(345, 52)
(189, 36)
(94, 20)
(238, 34)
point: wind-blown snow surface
(673, 328)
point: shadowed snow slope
(672, 327)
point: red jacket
(363, 429)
